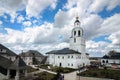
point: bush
(63, 70)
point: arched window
(74, 33)
(79, 33)
(106, 61)
(103, 61)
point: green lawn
(45, 76)
(102, 73)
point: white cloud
(99, 5)
(70, 4)
(91, 25)
(37, 34)
(1, 22)
(111, 24)
(97, 48)
(11, 6)
(115, 38)
(113, 4)
(27, 23)
(115, 41)
(61, 19)
(20, 19)
(92, 5)
(35, 7)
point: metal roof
(116, 55)
(4, 62)
(63, 51)
(31, 53)
(18, 64)
(7, 63)
(7, 51)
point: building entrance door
(60, 64)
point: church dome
(77, 21)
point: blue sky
(46, 25)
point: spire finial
(77, 17)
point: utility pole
(119, 44)
(79, 71)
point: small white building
(72, 57)
(111, 60)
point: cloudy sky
(46, 25)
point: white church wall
(78, 45)
(82, 61)
(65, 60)
(68, 60)
(51, 59)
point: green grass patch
(102, 73)
(45, 76)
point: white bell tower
(77, 42)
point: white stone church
(72, 57)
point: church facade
(73, 57)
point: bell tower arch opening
(77, 41)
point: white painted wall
(79, 45)
(27, 60)
(68, 60)
(110, 61)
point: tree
(110, 53)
